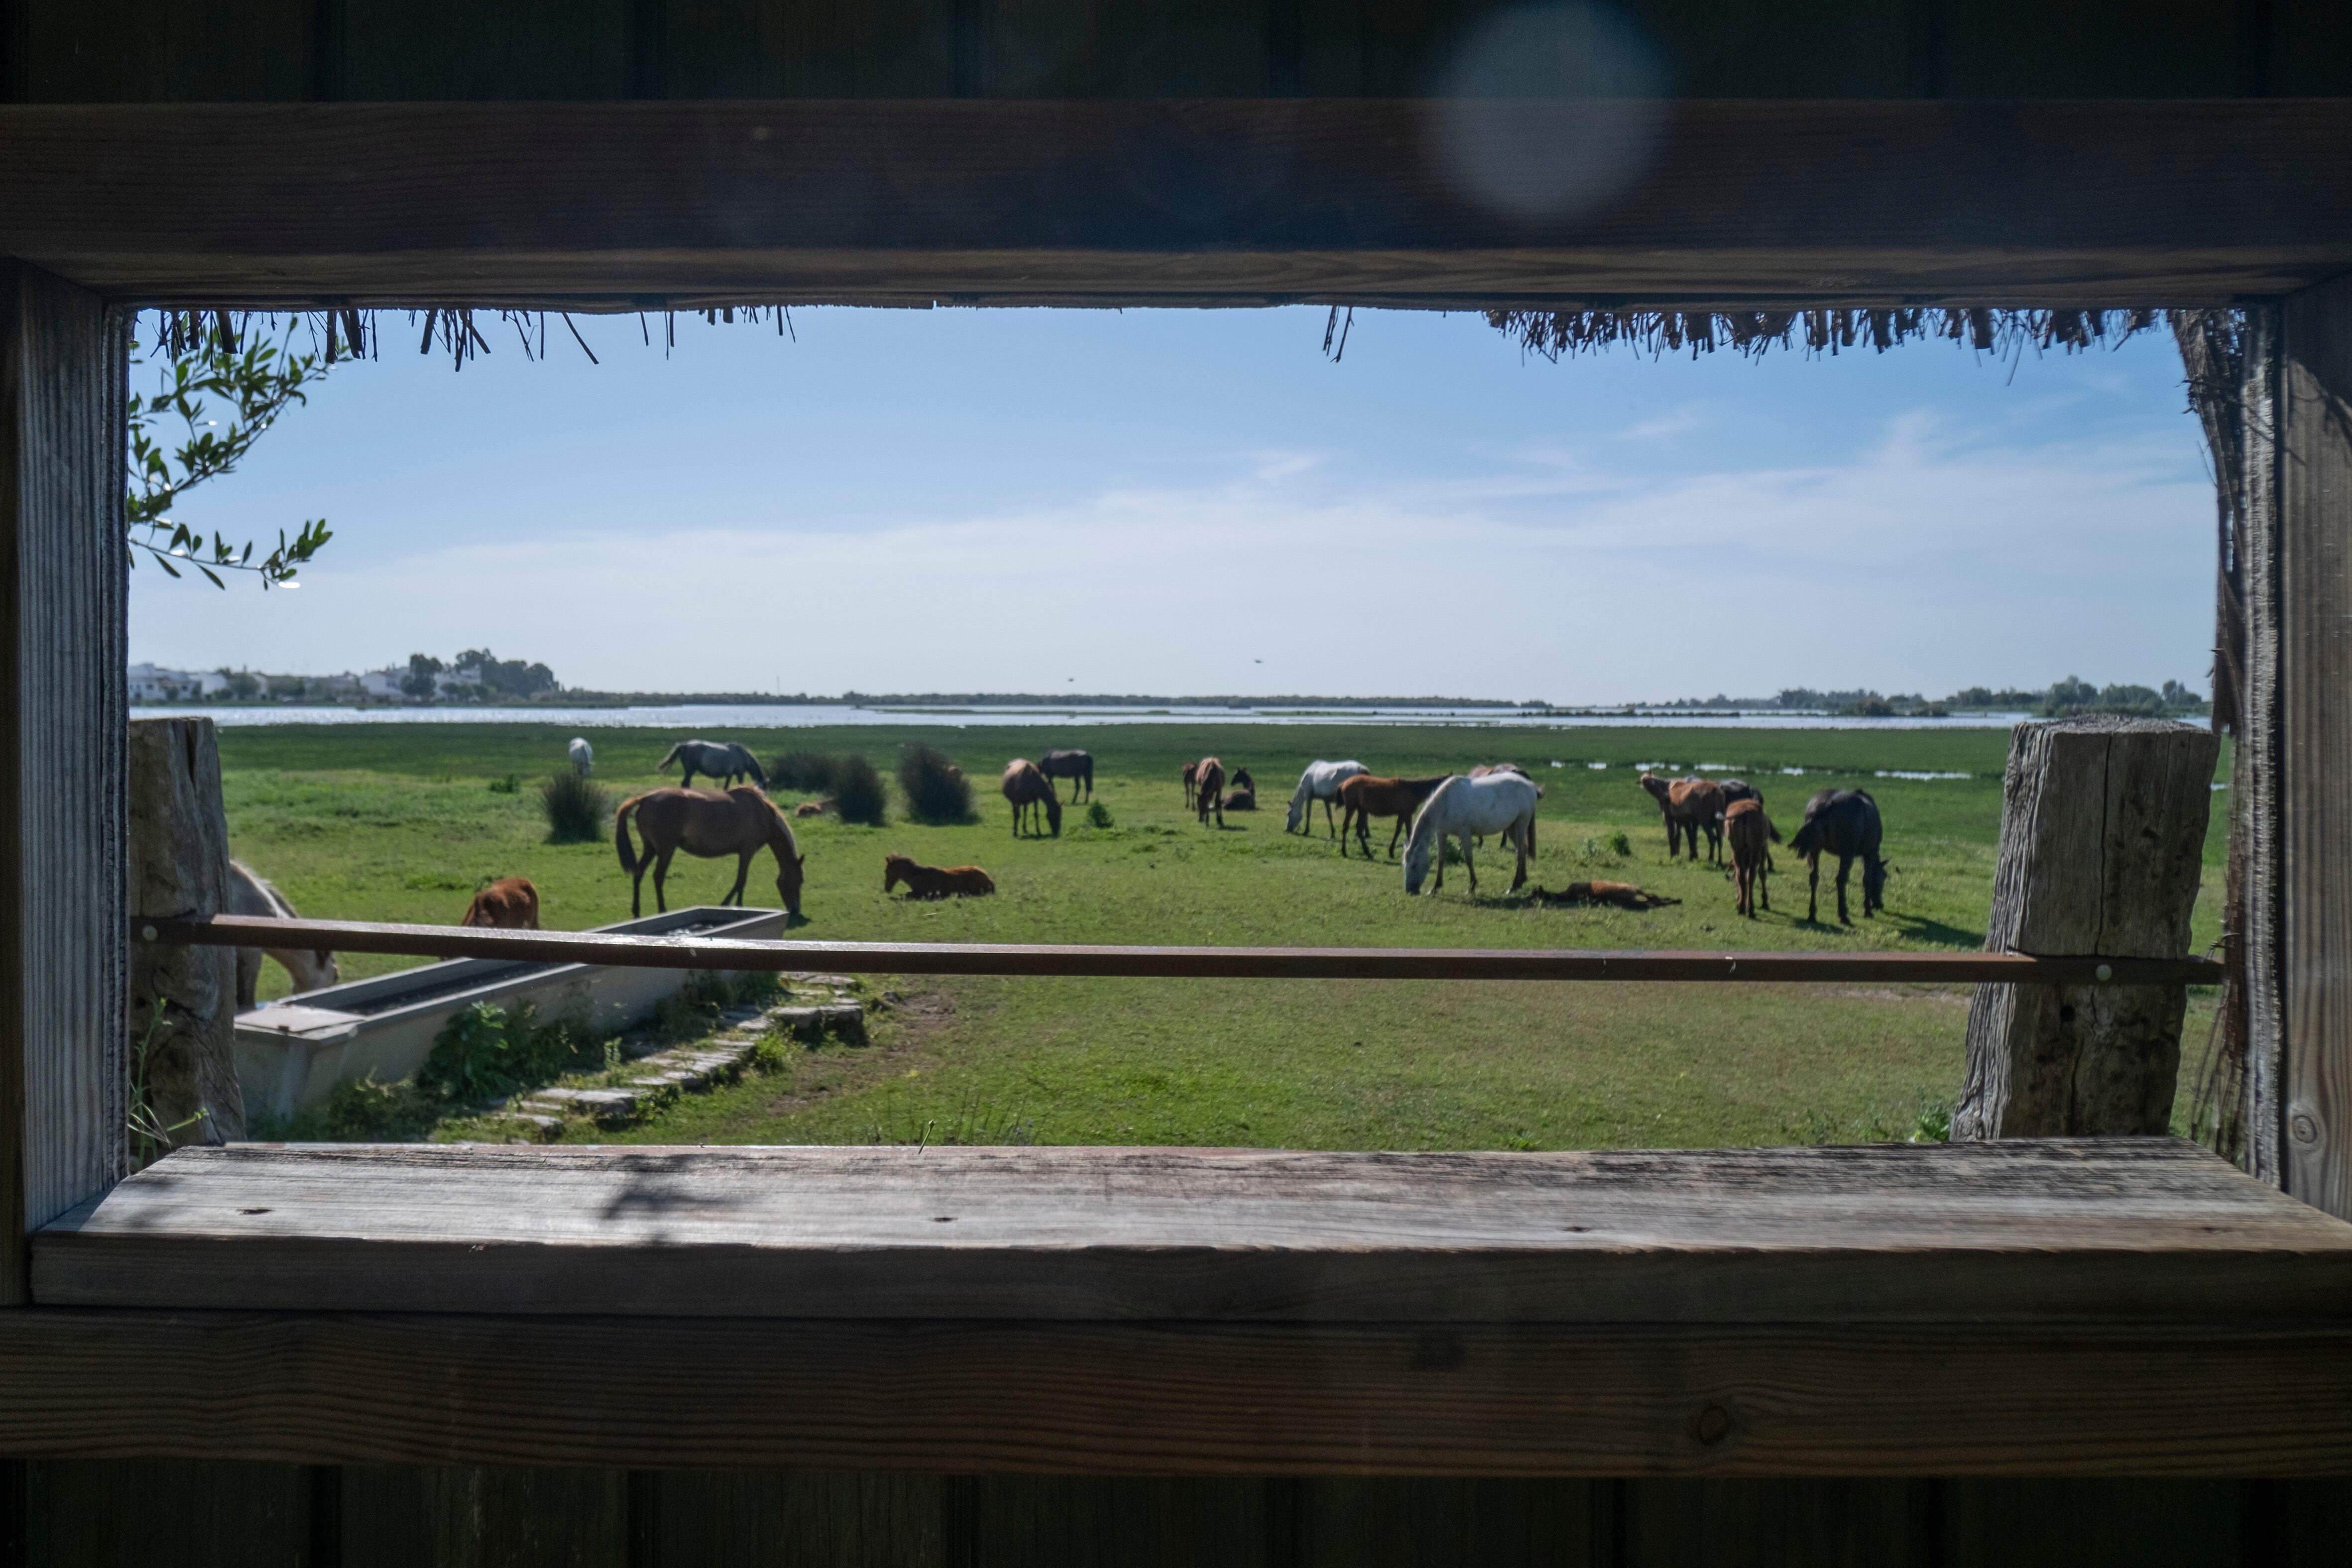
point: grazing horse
(1501, 804)
(1735, 789)
(1689, 806)
(1191, 783)
(1031, 791)
(1321, 781)
(722, 760)
(309, 967)
(510, 903)
(1209, 790)
(934, 882)
(1078, 766)
(741, 822)
(1843, 822)
(1751, 833)
(1366, 796)
(584, 756)
(1483, 769)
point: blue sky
(1198, 501)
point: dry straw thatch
(1557, 333)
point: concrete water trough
(290, 1054)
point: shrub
(936, 790)
(858, 792)
(1098, 816)
(510, 785)
(364, 1109)
(487, 1050)
(802, 772)
(575, 809)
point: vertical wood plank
(2091, 1524)
(1736, 1523)
(1429, 1522)
(460, 50)
(62, 718)
(2314, 508)
(192, 1513)
(2256, 788)
(1076, 1522)
(484, 1516)
(793, 1519)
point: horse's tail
(1770, 831)
(1809, 838)
(663, 766)
(621, 834)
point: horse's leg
(638, 886)
(743, 871)
(661, 881)
(1522, 833)
(1813, 890)
(1846, 865)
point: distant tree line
(477, 675)
(2071, 696)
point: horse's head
(788, 880)
(1875, 873)
(1656, 787)
(893, 868)
(1297, 809)
(1054, 811)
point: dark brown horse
(1078, 767)
(1690, 806)
(510, 903)
(1031, 792)
(1367, 796)
(935, 882)
(1844, 823)
(1209, 788)
(1751, 833)
(741, 822)
(1191, 783)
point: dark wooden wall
(87, 51)
(196, 1514)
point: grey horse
(722, 760)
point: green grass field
(401, 822)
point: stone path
(652, 1077)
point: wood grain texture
(2258, 778)
(190, 1512)
(178, 833)
(2016, 1231)
(2102, 847)
(2316, 671)
(1164, 963)
(62, 716)
(1232, 1399)
(471, 1516)
(618, 206)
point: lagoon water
(800, 716)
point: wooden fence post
(2101, 846)
(183, 1062)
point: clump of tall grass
(936, 790)
(575, 809)
(802, 772)
(857, 794)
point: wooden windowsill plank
(2153, 1231)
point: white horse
(584, 756)
(309, 968)
(1321, 781)
(1501, 804)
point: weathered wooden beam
(628, 205)
(1182, 1398)
(2315, 587)
(2018, 1230)
(2257, 791)
(62, 368)
(1170, 963)
(2102, 847)
(182, 1000)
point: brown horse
(1241, 800)
(1689, 806)
(510, 903)
(1029, 792)
(1209, 790)
(1078, 767)
(1365, 796)
(1617, 895)
(934, 882)
(1191, 783)
(741, 822)
(1751, 833)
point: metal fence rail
(1172, 962)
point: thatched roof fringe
(1555, 334)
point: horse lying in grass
(1751, 833)
(1078, 767)
(1209, 790)
(309, 967)
(1689, 806)
(934, 882)
(1844, 823)
(1461, 807)
(1321, 781)
(724, 762)
(1031, 792)
(741, 822)
(1240, 800)
(1617, 895)
(1366, 796)
(510, 903)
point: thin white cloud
(1681, 422)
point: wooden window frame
(673, 206)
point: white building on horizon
(155, 684)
